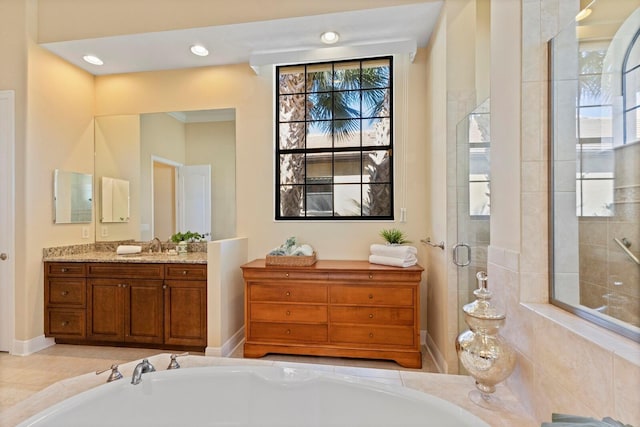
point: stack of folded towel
(396, 256)
(128, 249)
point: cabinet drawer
(288, 292)
(288, 312)
(66, 323)
(126, 270)
(288, 332)
(67, 269)
(63, 291)
(372, 315)
(279, 273)
(372, 295)
(378, 335)
(185, 271)
(376, 276)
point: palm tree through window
(334, 140)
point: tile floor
(23, 376)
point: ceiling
(367, 32)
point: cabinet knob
(286, 274)
(64, 293)
(288, 293)
(370, 276)
(64, 270)
(164, 286)
(288, 332)
(370, 334)
(370, 315)
(184, 272)
(288, 313)
(64, 322)
(370, 296)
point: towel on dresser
(128, 249)
(393, 261)
(400, 251)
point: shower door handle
(456, 259)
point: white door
(7, 219)
(195, 198)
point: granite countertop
(144, 257)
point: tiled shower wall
(565, 364)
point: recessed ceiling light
(329, 37)
(92, 59)
(199, 50)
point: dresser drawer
(185, 271)
(372, 315)
(372, 295)
(66, 291)
(287, 292)
(378, 335)
(66, 269)
(377, 276)
(288, 312)
(279, 273)
(66, 323)
(288, 332)
(126, 270)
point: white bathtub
(252, 396)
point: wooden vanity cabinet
(65, 300)
(185, 302)
(151, 304)
(333, 308)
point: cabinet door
(105, 310)
(185, 316)
(143, 311)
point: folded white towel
(392, 261)
(128, 249)
(401, 251)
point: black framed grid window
(334, 140)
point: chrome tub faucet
(141, 368)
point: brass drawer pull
(370, 296)
(286, 274)
(64, 270)
(371, 316)
(288, 331)
(64, 293)
(288, 313)
(370, 276)
(64, 323)
(370, 334)
(288, 293)
(184, 272)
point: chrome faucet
(156, 245)
(141, 368)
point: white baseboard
(228, 347)
(437, 357)
(25, 348)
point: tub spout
(141, 368)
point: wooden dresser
(333, 308)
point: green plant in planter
(187, 236)
(394, 236)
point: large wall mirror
(595, 173)
(180, 169)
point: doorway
(7, 220)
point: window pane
(376, 132)
(346, 76)
(291, 135)
(376, 166)
(347, 133)
(292, 168)
(376, 73)
(591, 91)
(319, 165)
(319, 200)
(595, 122)
(479, 162)
(632, 88)
(347, 198)
(375, 103)
(319, 106)
(319, 78)
(590, 57)
(291, 79)
(376, 200)
(632, 121)
(319, 134)
(346, 104)
(347, 168)
(291, 197)
(291, 108)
